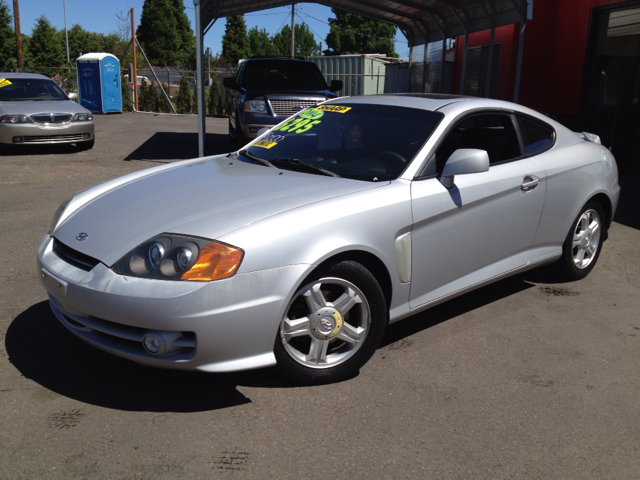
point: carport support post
(200, 81)
(410, 62)
(487, 83)
(516, 87)
(463, 73)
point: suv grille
(51, 117)
(284, 108)
(73, 257)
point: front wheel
(582, 246)
(332, 325)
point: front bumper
(33, 133)
(222, 326)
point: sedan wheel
(582, 246)
(332, 325)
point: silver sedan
(298, 250)
(34, 110)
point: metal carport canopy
(421, 21)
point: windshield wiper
(296, 162)
(253, 156)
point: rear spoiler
(589, 137)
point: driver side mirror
(230, 82)
(462, 162)
(336, 86)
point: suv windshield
(282, 74)
(358, 141)
(21, 89)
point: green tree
(162, 105)
(7, 38)
(187, 43)
(183, 103)
(45, 49)
(213, 102)
(305, 43)
(260, 43)
(82, 41)
(127, 102)
(194, 99)
(157, 32)
(235, 44)
(351, 33)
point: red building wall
(554, 49)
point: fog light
(161, 343)
(154, 344)
(18, 140)
(86, 136)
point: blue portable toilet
(99, 82)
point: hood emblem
(53, 119)
(82, 236)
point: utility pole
(293, 30)
(134, 70)
(66, 32)
(16, 19)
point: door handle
(529, 182)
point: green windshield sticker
(312, 114)
(4, 82)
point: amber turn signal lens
(215, 262)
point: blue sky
(102, 16)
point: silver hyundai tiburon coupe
(298, 250)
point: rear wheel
(332, 326)
(582, 246)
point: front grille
(73, 257)
(284, 108)
(120, 338)
(51, 117)
(52, 138)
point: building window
(612, 73)
(476, 76)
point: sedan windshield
(362, 142)
(282, 75)
(22, 89)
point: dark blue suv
(266, 91)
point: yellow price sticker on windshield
(264, 144)
(4, 82)
(333, 108)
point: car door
(485, 224)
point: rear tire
(332, 326)
(583, 244)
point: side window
(492, 132)
(536, 136)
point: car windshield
(282, 74)
(358, 141)
(22, 89)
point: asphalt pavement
(525, 378)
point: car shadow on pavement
(45, 352)
(45, 149)
(465, 303)
(179, 146)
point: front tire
(583, 244)
(332, 326)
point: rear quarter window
(537, 136)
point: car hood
(209, 197)
(29, 107)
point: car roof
(23, 75)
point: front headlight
(82, 117)
(178, 257)
(58, 214)
(15, 119)
(255, 106)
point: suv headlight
(178, 257)
(255, 106)
(15, 119)
(82, 117)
